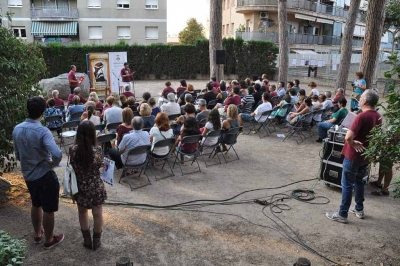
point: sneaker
(359, 214)
(380, 193)
(375, 184)
(57, 239)
(334, 216)
(38, 240)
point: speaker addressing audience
(354, 163)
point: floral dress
(90, 186)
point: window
(151, 33)
(95, 32)
(94, 3)
(232, 27)
(227, 29)
(223, 30)
(151, 4)
(20, 33)
(15, 3)
(124, 32)
(123, 4)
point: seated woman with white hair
(127, 91)
(58, 101)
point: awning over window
(304, 52)
(299, 16)
(40, 28)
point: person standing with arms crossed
(354, 164)
(72, 79)
(35, 148)
(126, 75)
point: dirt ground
(219, 234)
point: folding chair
(53, 118)
(113, 126)
(261, 124)
(203, 122)
(160, 144)
(296, 129)
(307, 124)
(230, 139)
(327, 113)
(173, 117)
(211, 104)
(106, 138)
(70, 132)
(100, 127)
(140, 150)
(199, 96)
(274, 118)
(188, 140)
(197, 91)
(76, 116)
(211, 134)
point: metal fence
(61, 13)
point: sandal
(380, 193)
(376, 185)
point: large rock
(61, 84)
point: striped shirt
(247, 102)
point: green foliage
(193, 31)
(12, 251)
(384, 140)
(21, 67)
(170, 61)
(392, 16)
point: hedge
(171, 61)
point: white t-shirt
(261, 109)
(315, 91)
(94, 119)
(160, 135)
(210, 140)
(318, 116)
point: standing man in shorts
(37, 152)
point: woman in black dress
(87, 159)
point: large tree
(373, 34)
(21, 67)
(347, 45)
(283, 42)
(191, 32)
(215, 38)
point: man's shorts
(45, 192)
(247, 117)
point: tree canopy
(392, 16)
(192, 32)
(21, 67)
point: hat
(171, 97)
(98, 65)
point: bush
(21, 67)
(12, 251)
(173, 61)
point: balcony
(42, 13)
(244, 6)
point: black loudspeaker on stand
(220, 57)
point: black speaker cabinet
(220, 57)
(333, 151)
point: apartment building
(313, 25)
(88, 21)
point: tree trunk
(373, 34)
(283, 42)
(215, 38)
(347, 45)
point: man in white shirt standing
(171, 108)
